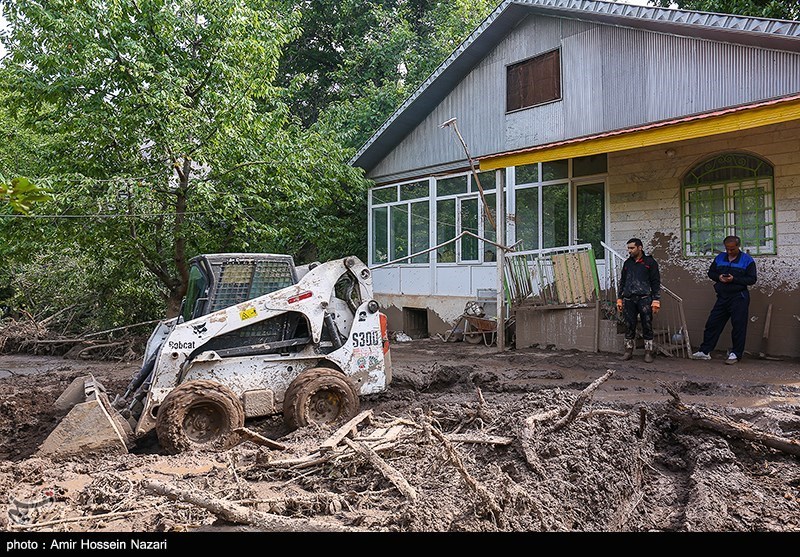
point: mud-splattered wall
(645, 202)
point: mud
(623, 464)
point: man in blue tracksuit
(732, 271)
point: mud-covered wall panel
(645, 202)
(565, 329)
(442, 311)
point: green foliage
(20, 193)
(779, 9)
(166, 129)
(162, 136)
(84, 293)
(355, 61)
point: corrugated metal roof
(761, 32)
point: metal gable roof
(759, 32)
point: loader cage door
(194, 290)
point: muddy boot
(628, 350)
(649, 351)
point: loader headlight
(372, 306)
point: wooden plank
(349, 428)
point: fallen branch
(725, 426)
(542, 416)
(580, 401)
(239, 514)
(121, 328)
(246, 434)
(78, 519)
(389, 472)
(480, 491)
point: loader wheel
(198, 415)
(322, 396)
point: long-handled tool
(762, 353)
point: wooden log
(239, 514)
(720, 424)
(389, 472)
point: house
(589, 123)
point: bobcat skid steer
(256, 337)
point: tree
(355, 61)
(779, 9)
(166, 135)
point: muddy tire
(322, 396)
(198, 415)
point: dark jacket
(743, 270)
(640, 278)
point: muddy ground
(466, 439)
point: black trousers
(638, 308)
(736, 308)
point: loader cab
(217, 281)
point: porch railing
(565, 276)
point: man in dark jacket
(639, 298)
(732, 271)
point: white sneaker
(700, 355)
(732, 359)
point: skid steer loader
(256, 336)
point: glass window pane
(527, 217)
(554, 170)
(487, 180)
(446, 230)
(469, 223)
(593, 164)
(450, 186)
(706, 216)
(380, 234)
(527, 174)
(398, 241)
(195, 288)
(749, 216)
(489, 232)
(591, 217)
(420, 231)
(414, 191)
(555, 216)
(384, 195)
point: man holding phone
(732, 271)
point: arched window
(729, 194)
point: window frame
(472, 193)
(729, 187)
(399, 202)
(532, 60)
(573, 183)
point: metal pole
(500, 180)
(452, 122)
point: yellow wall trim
(701, 126)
